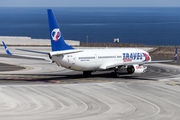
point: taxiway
(45, 91)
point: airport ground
(35, 89)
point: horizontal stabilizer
(64, 52)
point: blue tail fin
(57, 40)
(176, 55)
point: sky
(89, 3)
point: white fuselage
(99, 59)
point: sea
(149, 26)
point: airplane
(91, 60)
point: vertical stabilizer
(57, 40)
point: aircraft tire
(114, 74)
(87, 73)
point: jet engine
(136, 69)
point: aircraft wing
(31, 56)
(113, 65)
(149, 62)
(54, 53)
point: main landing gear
(115, 74)
(87, 73)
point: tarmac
(9, 67)
(36, 89)
(45, 91)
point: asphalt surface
(8, 67)
(45, 91)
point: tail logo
(175, 55)
(55, 34)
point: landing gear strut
(115, 74)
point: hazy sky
(89, 3)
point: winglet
(176, 55)
(7, 51)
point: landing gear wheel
(114, 74)
(87, 73)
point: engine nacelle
(136, 69)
